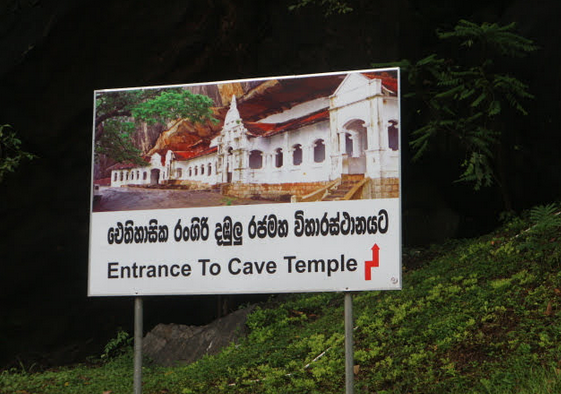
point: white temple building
(313, 145)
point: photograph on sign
(272, 140)
(252, 186)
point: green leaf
(494, 108)
(479, 99)
(11, 153)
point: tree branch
(111, 114)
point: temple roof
(122, 166)
(187, 155)
(258, 129)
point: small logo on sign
(375, 262)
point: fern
(545, 217)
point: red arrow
(375, 262)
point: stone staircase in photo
(348, 182)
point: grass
(474, 316)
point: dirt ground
(130, 199)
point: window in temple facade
(319, 151)
(297, 154)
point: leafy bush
(117, 346)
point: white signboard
(285, 184)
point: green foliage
(479, 316)
(11, 154)
(119, 113)
(496, 38)
(112, 376)
(116, 142)
(545, 217)
(117, 346)
(467, 98)
(330, 6)
(119, 103)
(174, 104)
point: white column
(355, 141)
(382, 129)
(342, 142)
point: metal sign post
(138, 345)
(349, 355)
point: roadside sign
(290, 184)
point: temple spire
(233, 116)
